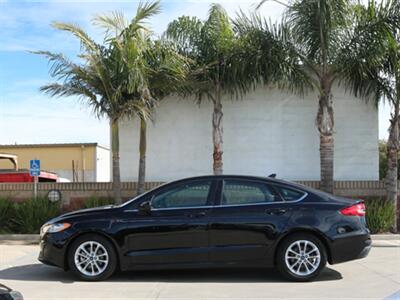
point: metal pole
(35, 187)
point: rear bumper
(350, 248)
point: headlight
(56, 227)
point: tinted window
(289, 194)
(185, 195)
(239, 192)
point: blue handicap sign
(34, 169)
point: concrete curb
(31, 239)
(385, 237)
(19, 239)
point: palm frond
(210, 46)
(74, 89)
(113, 24)
(262, 2)
(365, 63)
(60, 65)
(144, 11)
(85, 40)
(186, 34)
(315, 25)
(270, 54)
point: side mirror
(145, 208)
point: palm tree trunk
(217, 132)
(392, 155)
(142, 157)
(115, 161)
(325, 124)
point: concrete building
(269, 131)
(77, 162)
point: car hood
(87, 211)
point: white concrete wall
(90, 175)
(269, 131)
(103, 158)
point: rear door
(247, 218)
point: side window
(289, 194)
(241, 192)
(185, 195)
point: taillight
(354, 210)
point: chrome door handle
(197, 215)
(276, 211)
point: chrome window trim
(264, 203)
(172, 208)
(222, 206)
(184, 207)
(260, 180)
(291, 188)
(133, 199)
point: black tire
(281, 261)
(112, 257)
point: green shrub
(30, 215)
(6, 214)
(380, 215)
(96, 202)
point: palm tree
(156, 68)
(319, 36)
(391, 91)
(167, 71)
(390, 88)
(104, 80)
(216, 70)
(383, 71)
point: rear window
(244, 192)
(289, 194)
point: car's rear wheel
(92, 258)
(301, 257)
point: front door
(176, 230)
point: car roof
(236, 176)
(287, 183)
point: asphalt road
(375, 277)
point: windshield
(139, 196)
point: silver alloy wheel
(91, 258)
(302, 257)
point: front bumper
(350, 248)
(52, 250)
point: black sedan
(8, 294)
(211, 221)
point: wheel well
(317, 234)
(66, 255)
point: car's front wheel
(301, 257)
(92, 257)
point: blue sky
(28, 116)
